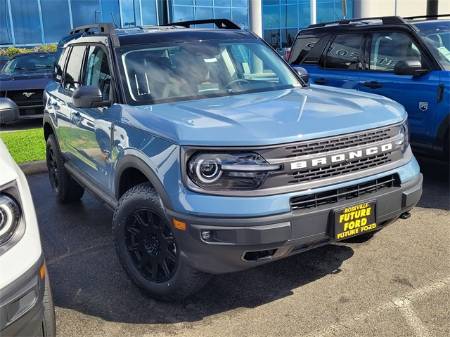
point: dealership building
(32, 22)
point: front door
(96, 124)
(418, 94)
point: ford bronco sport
(214, 155)
(405, 59)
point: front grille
(20, 97)
(339, 169)
(345, 193)
(338, 143)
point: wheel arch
(131, 164)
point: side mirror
(87, 96)
(9, 111)
(409, 67)
(303, 73)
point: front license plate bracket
(355, 220)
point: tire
(66, 189)
(49, 323)
(148, 250)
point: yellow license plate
(355, 220)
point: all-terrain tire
(141, 204)
(65, 187)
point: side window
(72, 77)
(302, 48)
(387, 48)
(97, 71)
(345, 52)
(59, 66)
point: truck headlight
(10, 215)
(229, 171)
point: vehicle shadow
(86, 276)
(94, 284)
(436, 184)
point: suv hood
(266, 118)
(7, 166)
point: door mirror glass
(88, 97)
(409, 67)
(303, 73)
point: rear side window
(72, 77)
(301, 52)
(345, 52)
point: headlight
(229, 171)
(9, 217)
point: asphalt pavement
(396, 284)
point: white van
(26, 305)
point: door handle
(320, 81)
(372, 84)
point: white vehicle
(26, 305)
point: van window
(345, 52)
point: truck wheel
(148, 250)
(49, 323)
(66, 189)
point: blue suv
(407, 61)
(214, 155)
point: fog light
(206, 235)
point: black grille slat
(22, 101)
(339, 169)
(346, 193)
(338, 143)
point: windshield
(203, 69)
(30, 63)
(437, 36)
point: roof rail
(387, 20)
(106, 28)
(220, 23)
(426, 16)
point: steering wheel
(238, 80)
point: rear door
(418, 94)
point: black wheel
(148, 250)
(67, 189)
(49, 323)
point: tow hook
(405, 215)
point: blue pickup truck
(213, 153)
(407, 60)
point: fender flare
(131, 161)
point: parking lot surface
(397, 284)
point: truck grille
(312, 161)
(346, 193)
(26, 98)
(339, 169)
(338, 143)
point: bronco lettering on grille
(341, 157)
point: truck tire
(66, 189)
(49, 323)
(148, 250)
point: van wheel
(66, 189)
(49, 323)
(148, 250)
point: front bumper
(21, 305)
(241, 243)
